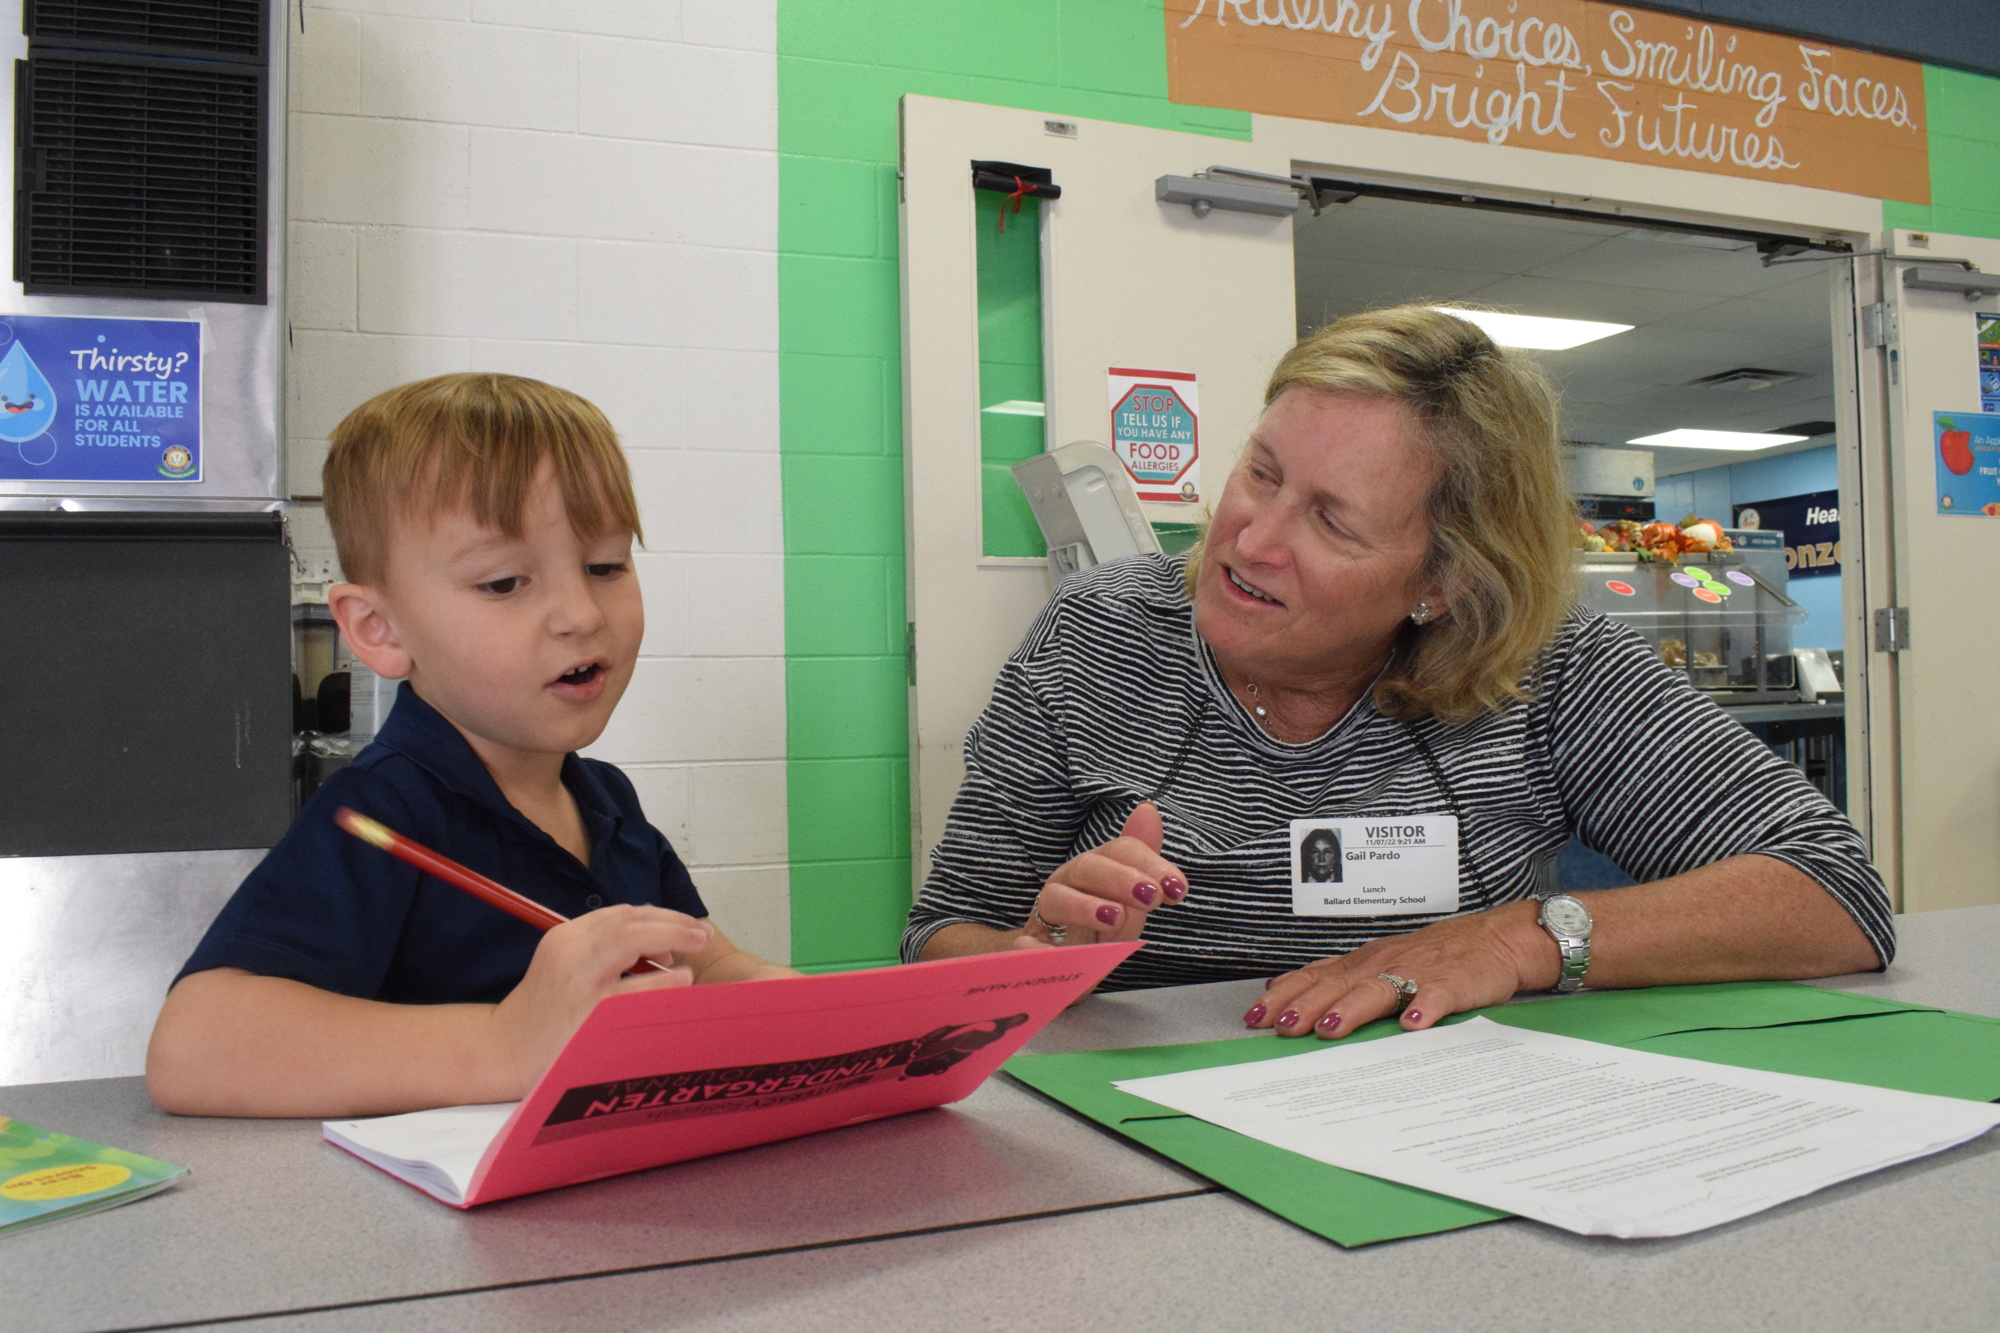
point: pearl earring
(1422, 614)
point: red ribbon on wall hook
(1025, 182)
(1021, 188)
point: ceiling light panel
(1540, 333)
(1739, 440)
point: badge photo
(1316, 856)
(1403, 865)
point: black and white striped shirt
(1111, 699)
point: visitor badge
(1401, 866)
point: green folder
(1773, 1025)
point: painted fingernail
(1256, 1015)
(1289, 1019)
(1146, 894)
(1413, 1017)
(1108, 914)
(1328, 1024)
(1173, 888)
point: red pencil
(378, 834)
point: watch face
(1566, 916)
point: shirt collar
(427, 739)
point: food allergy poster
(1156, 432)
(99, 399)
(1968, 462)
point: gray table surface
(1000, 1212)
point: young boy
(485, 523)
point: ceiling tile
(1343, 288)
(1391, 231)
(1699, 311)
(1669, 266)
(1590, 300)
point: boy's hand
(579, 963)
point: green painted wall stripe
(1964, 131)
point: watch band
(1575, 962)
(1574, 947)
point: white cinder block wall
(585, 191)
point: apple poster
(1967, 455)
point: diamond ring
(1057, 934)
(1406, 989)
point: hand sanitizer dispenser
(1088, 512)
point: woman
(1376, 640)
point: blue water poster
(96, 399)
(1966, 450)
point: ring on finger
(1406, 989)
(1057, 934)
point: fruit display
(1666, 542)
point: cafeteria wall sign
(1156, 432)
(1811, 525)
(1567, 76)
(1967, 456)
(99, 399)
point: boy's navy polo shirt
(327, 909)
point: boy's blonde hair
(1502, 520)
(470, 442)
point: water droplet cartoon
(27, 406)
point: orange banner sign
(1570, 76)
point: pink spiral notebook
(663, 1076)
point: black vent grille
(218, 29)
(139, 178)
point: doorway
(1717, 346)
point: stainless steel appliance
(145, 730)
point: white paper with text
(1596, 1139)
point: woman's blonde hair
(474, 442)
(1501, 516)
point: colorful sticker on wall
(1967, 454)
(1811, 527)
(1988, 324)
(99, 399)
(1156, 432)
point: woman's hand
(1107, 893)
(1462, 963)
(580, 962)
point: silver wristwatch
(1568, 920)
